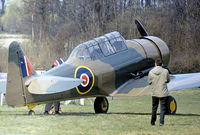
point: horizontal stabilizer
(51, 84)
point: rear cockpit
(100, 47)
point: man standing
(48, 106)
(159, 77)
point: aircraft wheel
(101, 105)
(171, 105)
(31, 112)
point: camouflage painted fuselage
(105, 75)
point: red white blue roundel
(85, 73)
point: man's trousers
(155, 102)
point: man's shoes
(161, 124)
(56, 113)
(46, 113)
(153, 124)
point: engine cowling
(151, 47)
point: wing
(3, 86)
(3, 81)
(133, 87)
(184, 81)
(137, 87)
(51, 84)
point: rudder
(19, 70)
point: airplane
(105, 66)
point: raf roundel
(86, 78)
(87, 75)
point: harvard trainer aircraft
(104, 66)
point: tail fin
(19, 70)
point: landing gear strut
(101, 105)
(30, 107)
(31, 112)
(171, 106)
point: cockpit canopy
(100, 47)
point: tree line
(57, 26)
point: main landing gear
(101, 105)
(30, 107)
(171, 106)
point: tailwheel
(101, 105)
(31, 112)
(171, 105)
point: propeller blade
(141, 28)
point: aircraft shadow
(93, 114)
(129, 113)
(182, 114)
(118, 113)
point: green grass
(125, 117)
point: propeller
(141, 28)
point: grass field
(125, 117)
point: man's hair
(158, 62)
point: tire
(101, 105)
(171, 105)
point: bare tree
(3, 7)
(59, 23)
